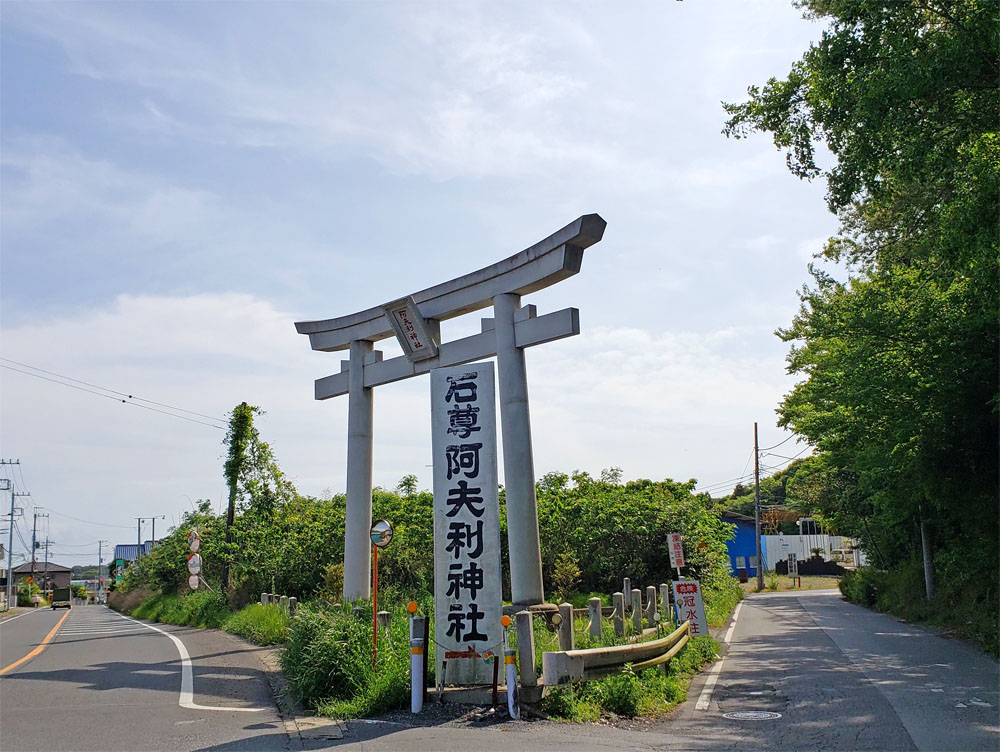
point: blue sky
(183, 181)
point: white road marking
(187, 674)
(16, 617)
(705, 699)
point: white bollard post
(416, 673)
(511, 668)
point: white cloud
(626, 397)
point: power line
(764, 449)
(130, 400)
(113, 391)
(91, 522)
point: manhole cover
(752, 715)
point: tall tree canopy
(900, 391)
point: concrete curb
(298, 725)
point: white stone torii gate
(506, 335)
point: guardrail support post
(594, 604)
(566, 636)
(618, 618)
(637, 610)
(526, 649)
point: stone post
(618, 601)
(594, 604)
(627, 589)
(566, 636)
(358, 521)
(637, 610)
(665, 603)
(519, 468)
(650, 606)
(526, 649)
(284, 603)
(384, 621)
(292, 603)
(263, 599)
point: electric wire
(128, 401)
(764, 449)
(114, 391)
(90, 522)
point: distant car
(61, 597)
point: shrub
(328, 662)
(261, 625)
(622, 694)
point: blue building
(743, 547)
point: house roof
(40, 567)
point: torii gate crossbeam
(505, 335)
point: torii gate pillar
(358, 518)
(518, 463)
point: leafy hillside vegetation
(594, 532)
(898, 358)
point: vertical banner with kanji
(690, 606)
(676, 547)
(467, 598)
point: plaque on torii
(414, 321)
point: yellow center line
(41, 646)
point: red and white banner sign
(690, 606)
(676, 550)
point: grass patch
(328, 662)
(260, 624)
(202, 608)
(783, 582)
(629, 694)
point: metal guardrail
(559, 667)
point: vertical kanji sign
(676, 547)
(467, 598)
(690, 606)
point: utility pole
(138, 531)
(45, 575)
(154, 519)
(100, 568)
(756, 508)
(6, 486)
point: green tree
(900, 389)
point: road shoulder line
(705, 698)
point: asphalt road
(107, 682)
(839, 677)
(834, 676)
